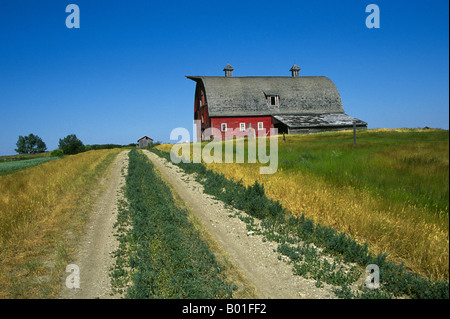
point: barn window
(202, 98)
(260, 126)
(273, 100)
(223, 127)
(242, 127)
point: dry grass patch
(41, 209)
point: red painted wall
(233, 123)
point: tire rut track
(256, 259)
(94, 257)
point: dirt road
(257, 260)
(94, 257)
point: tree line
(69, 145)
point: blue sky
(121, 75)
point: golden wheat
(424, 247)
(35, 206)
(407, 232)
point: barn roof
(319, 120)
(145, 137)
(247, 96)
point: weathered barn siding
(203, 116)
(144, 141)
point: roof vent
(228, 71)
(295, 71)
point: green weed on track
(161, 254)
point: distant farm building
(144, 141)
(293, 104)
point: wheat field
(38, 205)
(390, 191)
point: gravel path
(94, 257)
(257, 260)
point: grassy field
(39, 207)
(16, 165)
(390, 191)
(19, 157)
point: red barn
(294, 104)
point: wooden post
(354, 133)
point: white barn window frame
(260, 126)
(223, 127)
(242, 127)
(273, 100)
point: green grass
(15, 165)
(410, 166)
(161, 252)
(390, 190)
(17, 157)
(404, 166)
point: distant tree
(30, 144)
(71, 145)
(57, 153)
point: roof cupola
(228, 71)
(295, 71)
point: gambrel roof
(247, 96)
